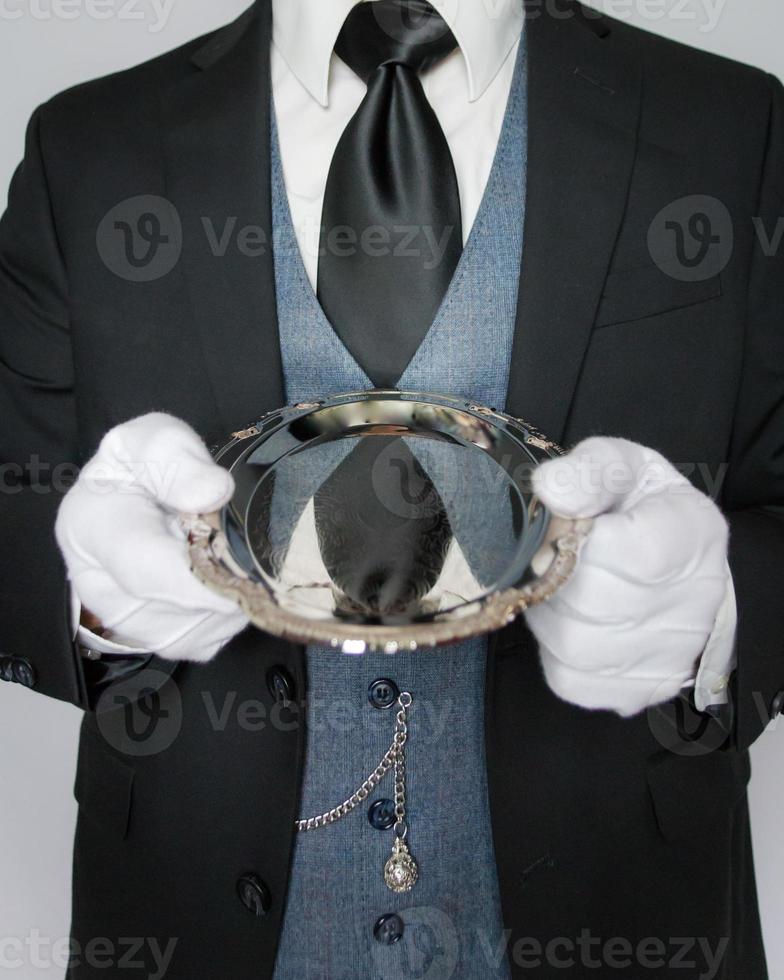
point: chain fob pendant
(400, 871)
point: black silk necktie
(391, 232)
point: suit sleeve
(754, 490)
(38, 436)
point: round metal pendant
(400, 871)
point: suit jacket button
(254, 894)
(777, 708)
(383, 693)
(281, 685)
(23, 672)
(6, 669)
(388, 929)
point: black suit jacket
(626, 828)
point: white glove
(628, 629)
(125, 552)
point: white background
(47, 45)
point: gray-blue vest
(451, 920)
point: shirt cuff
(719, 658)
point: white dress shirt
(316, 94)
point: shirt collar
(305, 32)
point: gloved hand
(125, 552)
(628, 629)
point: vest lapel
(216, 152)
(583, 107)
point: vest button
(6, 669)
(254, 894)
(777, 708)
(382, 814)
(388, 929)
(281, 685)
(383, 693)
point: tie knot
(401, 32)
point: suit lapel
(583, 107)
(216, 153)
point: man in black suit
(637, 317)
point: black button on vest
(383, 693)
(381, 814)
(388, 929)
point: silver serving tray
(384, 520)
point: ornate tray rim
(213, 565)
